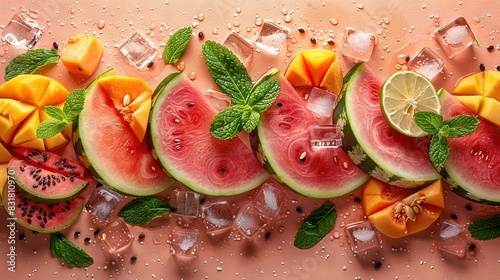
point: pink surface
(396, 25)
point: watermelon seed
(345, 164)
(378, 265)
(454, 216)
(468, 208)
(29, 220)
(190, 105)
(280, 104)
(21, 168)
(202, 200)
(302, 156)
(42, 225)
(223, 169)
(21, 236)
(357, 199)
(77, 234)
(299, 210)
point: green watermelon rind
(353, 146)
(459, 187)
(85, 156)
(165, 87)
(39, 229)
(258, 141)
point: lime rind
(402, 95)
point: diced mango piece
(490, 110)
(297, 73)
(3, 177)
(82, 54)
(472, 102)
(317, 63)
(55, 93)
(492, 84)
(5, 156)
(15, 110)
(333, 78)
(470, 85)
(7, 130)
(27, 130)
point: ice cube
(272, 37)
(363, 237)
(138, 50)
(270, 198)
(102, 202)
(22, 31)
(239, 46)
(219, 100)
(427, 63)
(249, 221)
(217, 216)
(452, 239)
(116, 237)
(455, 36)
(321, 102)
(185, 203)
(358, 45)
(325, 136)
(184, 242)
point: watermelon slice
(107, 146)
(181, 141)
(282, 144)
(473, 167)
(372, 143)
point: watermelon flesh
(109, 149)
(282, 140)
(41, 217)
(372, 143)
(180, 139)
(473, 167)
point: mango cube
(82, 54)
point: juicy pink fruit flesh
(284, 137)
(474, 161)
(122, 161)
(181, 137)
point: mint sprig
(29, 62)
(61, 118)
(486, 229)
(440, 130)
(249, 100)
(143, 210)
(316, 226)
(68, 252)
(176, 45)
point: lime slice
(404, 94)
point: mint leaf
(74, 104)
(486, 229)
(55, 112)
(438, 151)
(461, 125)
(429, 122)
(316, 226)
(49, 128)
(143, 210)
(68, 252)
(249, 120)
(176, 45)
(444, 131)
(228, 72)
(29, 62)
(263, 95)
(227, 123)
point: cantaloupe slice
(132, 98)
(396, 215)
(480, 92)
(82, 54)
(316, 68)
(21, 110)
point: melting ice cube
(358, 45)
(325, 136)
(239, 46)
(185, 203)
(455, 36)
(219, 100)
(22, 31)
(116, 237)
(102, 202)
(270, 199)
(272, 37)
(452, 239)
(217, 216)
(249, 221)
(321, 102)
(138, 50)
(363, 237)
(427, 63)
(184, 242)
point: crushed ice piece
(364, 234)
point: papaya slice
(316, 68)
(21, 110)
(480, 92)
(398, 212)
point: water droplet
(258, 21)
(201, 17)
(192, 76)
(334, 21)
(181, 66)
(284, 12)
(288, 18)
(215, 31)
(101, 24)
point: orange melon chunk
(82, 54)
(397, 217)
